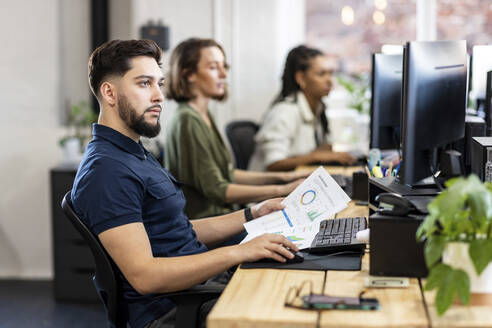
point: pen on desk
(383, 170)
(367, 171)
(376, 170)
(397, 168)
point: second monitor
(386, 101)
(434, 104)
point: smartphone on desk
(325, 302)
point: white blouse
(288, 130)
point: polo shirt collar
(119, 140)
(305, 109)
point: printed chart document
(314, 200)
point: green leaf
(448, 282)
(480, 202)
(462, 224)
(480, 253)
(437, 276)
(444, 298)
(433, 250)
(445, 292)
(421, 231)
(488, 185)
(427, 227)
(449, 204)
(460, 278)
(433, 208)
(455, 282)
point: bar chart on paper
(301, 236)
(275, 222)
(313, 215)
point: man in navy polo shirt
(135, 206)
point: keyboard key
(341, 225)
(336, 224)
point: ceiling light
(347, 15)
(378, 17)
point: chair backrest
(105, 278)
(241, 137)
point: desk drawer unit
(73, 260)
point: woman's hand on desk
(325, 146)
(323, 156)
(296, 175)
(268, 245)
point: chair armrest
(213, 290)
(189, 301)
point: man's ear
(299, 76)
(108, 93)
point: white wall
(30, 87)
(75, 44)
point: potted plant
(79, 120)
(358, 88)
(458, 236)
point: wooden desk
(343, 170)
(459, 315)
(255, 297)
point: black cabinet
(73, 260)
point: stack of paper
(315, 199)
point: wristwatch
(247, 214)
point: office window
(352, 30)
(464, 20)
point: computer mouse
(394, 204)
(298, 258)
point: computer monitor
(488, 103)
(433, 104)
(386, 101)
(481, 64)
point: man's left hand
(266, 207)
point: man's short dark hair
(113, 58)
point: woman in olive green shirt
(195, 151)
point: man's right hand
(267, 246)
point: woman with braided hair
(295, 129)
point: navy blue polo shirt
(119, 182)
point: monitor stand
(390, 184)
(426, 183)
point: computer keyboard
(338, 235)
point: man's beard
(129, 115)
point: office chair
(108, 284)
(241, 137)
